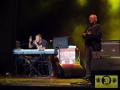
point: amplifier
(110, 48)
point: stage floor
(44, 82)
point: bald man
(92, 37)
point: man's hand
(30, 39)
(84, 34)
(38, 46)
(89, 33)
(35, 43)
(30, 42)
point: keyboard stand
(32, 68)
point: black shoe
(88, 78)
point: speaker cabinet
(108, 63)
(110, 48)
(73, 70)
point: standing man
(92, 36)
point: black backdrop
(7, 35)
(20, 18)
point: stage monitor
(60, 42)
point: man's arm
(86, 33)
(30, 42)
(97, 33)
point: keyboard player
(41, 44)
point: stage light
(82, 3)
(114, 27)
(77, 35)
(114, 35)
(114, 5)
(113, 20)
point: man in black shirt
(38, 42)
(92, 36)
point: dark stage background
(52, 18)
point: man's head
(38, 37)
(92, 19)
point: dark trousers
(89, 52)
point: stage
(73, 77)
(44, 82)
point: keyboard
(35, 51)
